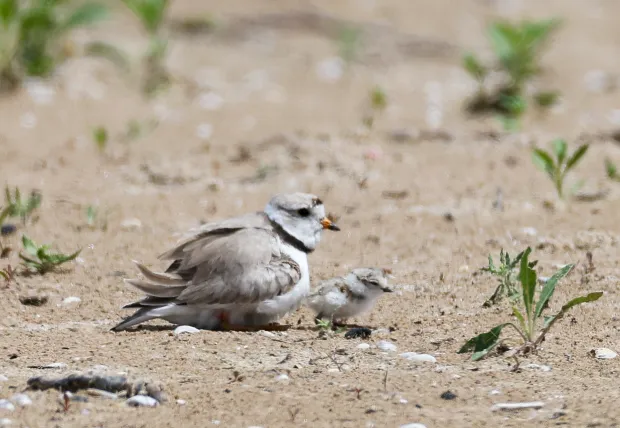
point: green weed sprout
(529, 314)
(17, 207)
(349, 43)
(40, 260)
(31, 34)
(517, 48)
(558, 162)
(505, 272)
(151, 14)
(377, 103)
(611, 170)
(100, 137)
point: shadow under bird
(243, 273)
(340, 298)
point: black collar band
(290, 239)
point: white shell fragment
(185, 329)
(142, 401)
(386, 346)
(517, 406)
(22, 400)
(6, 405)
(422, 358)
(603, 353)
(415, 425)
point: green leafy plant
(377, 103)
(611, 170)
(151, 14)
(505, 272)
(532, 326)
(32, 33)
(558, 162)
(91, 215)
(17, 207)
(517, 48)
(40, 260)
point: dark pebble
(448, 395)
(8, 229)
(358, 332)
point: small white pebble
(185, 329)
(40, 92)
(495, 392)
(28, 121)
(181, 402)
(267, 333)
(333, 370)
(131, 224)
(85, 412)
(414, 425)
(603, 354)
(386, 346)
(542, 368)
(70, 300)
(530, 231)
(403, 401)
(142, 401)
(423, 358)
(215, 422)
(363, 346)
(55, 366)
(330, 69)
(282, 377)
(3, 378)
(210, 101)
(22, 400)
(6, 405)
(204, 131)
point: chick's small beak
(387, 289)
(328, 224)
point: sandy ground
(257, 120)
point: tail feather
(140, 316)
(156, 290)
(159, 278)
(150, 301)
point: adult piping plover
(242, 273)
(340, 298)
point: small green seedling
(8, 274)
(151, 14)
(517, 48)
(558, 162)
(377, 103)
(21, 208)
(611, 170)
(100, 137)
(506, 274)
(530, 316)
(91, 215)
(349, 43)
(32, 33)
(40, 260)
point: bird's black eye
(304, 212)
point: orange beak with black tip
(328, 224)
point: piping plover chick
(345, 297)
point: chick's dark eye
(304, 212)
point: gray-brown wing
(245, 266)
(201, 236)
